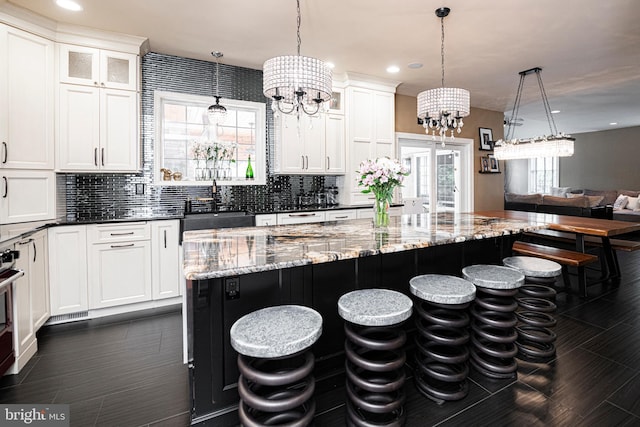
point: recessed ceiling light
(393, 69)
(69, 5)
(415, 65)
(330, 65)
(613, 123)
(555, 111)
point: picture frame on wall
(486, 139)
(494, 166)
(484, 164)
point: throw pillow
(594, 200)
(609, 196)
(560, 191)
(631, 193)
(574, 195)
(633, 204)
(534, 199)
(580, 202)
(621, 202)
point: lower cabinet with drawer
(101, 269)
(119, 264)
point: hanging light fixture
(553, 145)
(443, 108)
(216, 112)
(296, 83)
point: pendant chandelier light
(296, 83)
(553, 145)
(216, 112)
(443, 108)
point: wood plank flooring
(128, 371)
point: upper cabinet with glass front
(97, 67)
(191, 150)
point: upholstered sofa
(609, 204)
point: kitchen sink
(223, 219)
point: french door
(441, 178)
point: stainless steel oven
(8, 275)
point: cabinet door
(119, 274)
(27, 196)
(26, 100)
(68, 269)
(266, 220)
(25, 333)
(335, 144)
(384, 113)
(39, 278)
(78, 128)
(291, 145)
(118, 70)
(314, 151)
(166, 268)
(79, 65)
(118, 130)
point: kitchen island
(231, 272)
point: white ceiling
(589, 49)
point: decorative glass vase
(380, 213)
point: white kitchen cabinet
(341, 215)
(26, 100)
(31, 296)
(165, 259)
(119, 264)
(264, 220)
(300, 217)
(68, 280)
(27, 195)
(88, 66)
(314, 145)
(370, 116)
(98, 129)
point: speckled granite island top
(233, 251)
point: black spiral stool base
(493, 333)
(441, 343)
(375, 356)
(536, 342)
(276, 385)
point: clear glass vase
(380, 213)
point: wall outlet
(232, 288)
(139, 189)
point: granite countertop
(233, 251)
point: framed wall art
(486, 139)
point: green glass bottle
(249, 173)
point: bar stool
(493, 333)
(375, 355)
(537, 304)
(442, 322)
(272, 345)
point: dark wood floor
(127, 371)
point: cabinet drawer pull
(165, 239)
(95, 156)
(122, 234)
(6, 151)
(342, 217)
(122, 246)
(35, 250)
(6, 187)
(328, 163)
(102, 156)
(301, 215)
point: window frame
(258, 163)
(532, 186)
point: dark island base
(213, 371)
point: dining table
(601, 228)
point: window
(543, 174)
(187, 143)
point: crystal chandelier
(554, 145)
(296, 83)
(443, 108)
(216, 112)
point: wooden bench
(564, 257)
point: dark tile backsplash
(86, 197)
